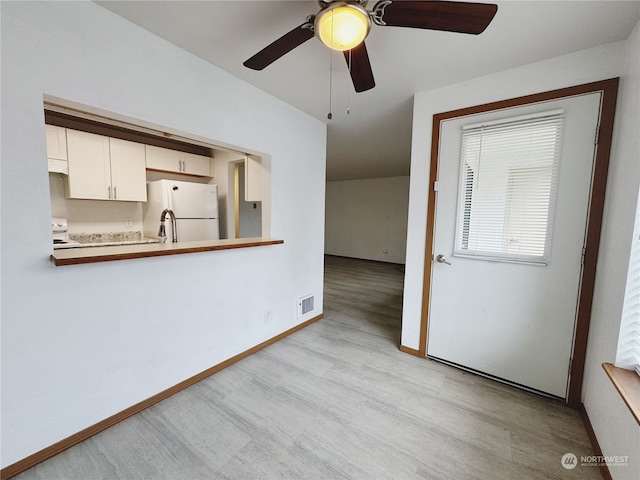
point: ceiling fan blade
(281, 46)
(360, 68)
(460, 17)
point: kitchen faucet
(162, 233)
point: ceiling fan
(343, 25)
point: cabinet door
(195, 164)
(57, 149)
(89, 166)
(128, 171)
(163, 159)
(56, 142)
(252, 178)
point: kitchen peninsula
(76, 256)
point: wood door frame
(609, 90)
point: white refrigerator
(195, 206)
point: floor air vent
(305, 305)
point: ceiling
(370, 132)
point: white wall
(366, 217)
(586, 66)
(80, 343)
(615, 427)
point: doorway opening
(247, 214)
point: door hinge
(595, 140)
(436, 186)
(584, 253)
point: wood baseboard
(411, 351)
(48, 452)
(604, 470)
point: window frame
(475, 133)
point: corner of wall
(615, 429)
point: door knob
(440, 259)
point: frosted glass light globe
(342, 26)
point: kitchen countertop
(75, 256)
(105, 243)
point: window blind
(507, 188)
(628, 355)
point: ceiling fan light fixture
(342, 26)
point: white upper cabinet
(57, 149)
(163, 159)
(168, 160)
(128, 170)
(195, 164)
(89, 166)
(103, 168)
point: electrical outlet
(128, 222)
(268, 316)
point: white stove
(59, 230)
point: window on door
(507, 188)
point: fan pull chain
(330, 115)
(348, 88)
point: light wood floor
(338, 400)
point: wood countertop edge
(627, 383)
(109, 257)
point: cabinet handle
(115, 193)
(179, 165)
(109, 191)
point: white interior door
(514, 320)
